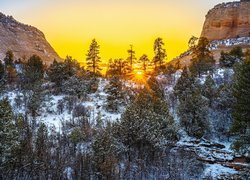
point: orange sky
(70, 25)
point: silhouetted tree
(93, 59)
(160, 52)
(144, 60)
(131, 58)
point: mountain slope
(24, 40)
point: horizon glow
(69, 26)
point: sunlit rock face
(228, 20)
(24, 41)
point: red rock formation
(24, 40)
(227, 20)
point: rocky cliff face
(228, 20)
(24, 40)
(227, 25)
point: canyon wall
(228, 20)
(24, 41)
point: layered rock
(24, 40)
(228, 20)
(227, 25)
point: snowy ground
(230, 42)
(216, 170)
(49, 114)
(208, 152)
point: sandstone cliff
(227, 25)
(228, 20)
(24, 40)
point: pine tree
(115, 97)
(118, 67)
(34, 69)
(62, 71)
(226, 60)
(9, 58)
(229, 59)
(8, 136)
(147, 123)
(184, 85)
(160, 52)
(57, 73)
(24, 152)
(93, 59)
(192, 108)
(241, 92)
(104, 149)
(202, 59)
(193, 114)
(71, 66)
(41, 143)
(241, 108)
(131, 58)
(209, 89)
(34, 100)
(237, 52)
(144, 60)
(155, 88)
(192, 42)
(9, 67)
(2, 72)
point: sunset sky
(70, 25)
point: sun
(139, 74)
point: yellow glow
(139, 74)
(70, 26)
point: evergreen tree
(184, 85)
(8, 136)
(131, 58)
(209, 89)
(193, 114)
(229, 59)
(118, 67)
(93, 59)
(2, 76)
(71, 66)
(56, 73)
(115, 97)
(155, 88)
(9, 67)
(59, 72)
(160, 52)
(192, 42)
(104, 156)
(202, 59)
(34, 99)
(34, 69)
(24, 153)
(192, 108)
(237, 52)
(241, 108)
(226, 60)
(241, 92)
(146, 123)
(144, 60)
(9, 58)
(41, 144)
(2, 72)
